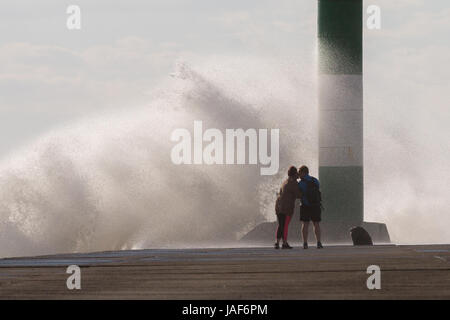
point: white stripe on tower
(341, 117)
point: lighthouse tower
(341, 175)
(340, 41)
(341, 111)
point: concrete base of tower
(264, 233)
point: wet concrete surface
(260, 273)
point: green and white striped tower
(340, 27)
(341, 112)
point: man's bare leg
(317, 233)
(305, 226)
(317, 230)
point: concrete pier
(336, 272)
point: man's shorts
(308, 213)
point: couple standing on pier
(307, 190)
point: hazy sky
(50, 75)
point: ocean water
(107, 182)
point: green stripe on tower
(341, 111)
(342, 191)
(340, 36)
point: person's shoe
(305, 246)
(319, 245)
(286, 246)
(277, 245)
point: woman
(284, 206)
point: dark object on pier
(360, 237)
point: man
(311, 209)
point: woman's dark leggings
(283, 226)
